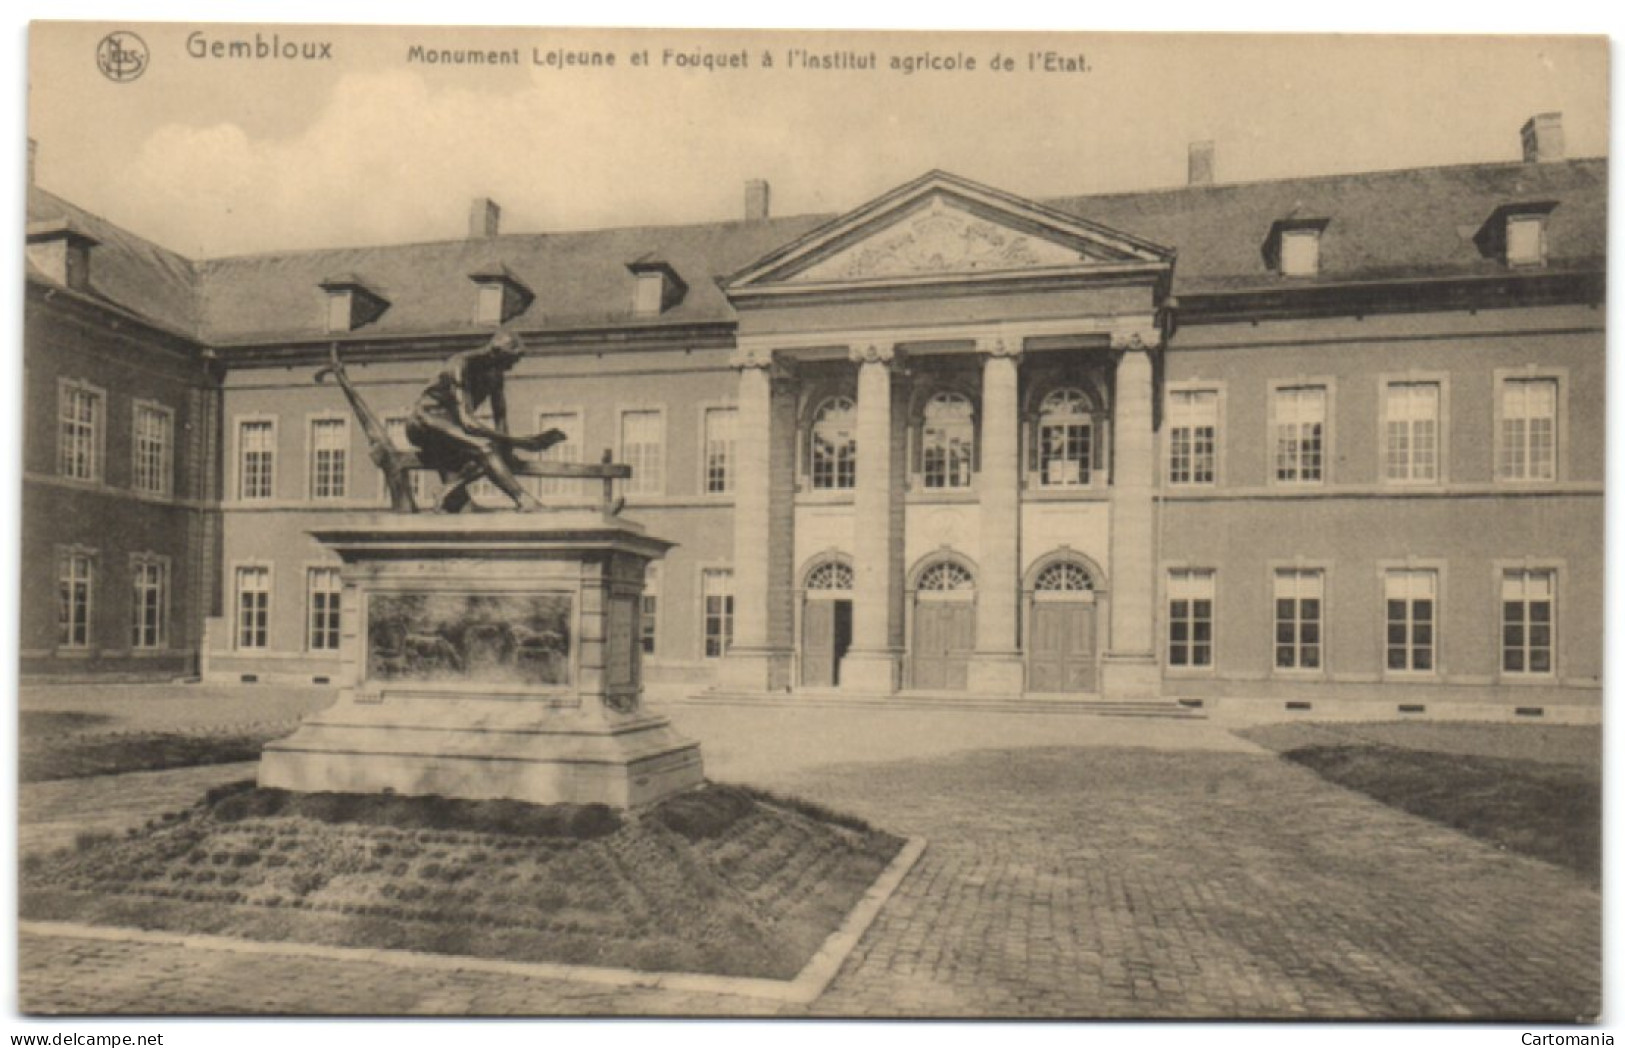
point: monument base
(482, 749)
(489, 656)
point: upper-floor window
(149, 602)
(1300, 433)
(256, 458)
(1193, 426)
(329, 454)
(1411, 432)
(1526, 240)
(76, 577)
(834, 456)
(417, 479)
(566, 450)
(947, 441)
(1065, 439)
(79, 432)
(720, 427)
(153, 449)
(643, 448)
(1527, 449)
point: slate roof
(125, 269)
(1411, 224)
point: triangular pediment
(944, 228)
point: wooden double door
(826, 635)
(1061, 656)
(944, 639)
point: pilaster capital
(1142, 338)
(1001, 346)
(747, 356)
(873, 353)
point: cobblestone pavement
(1140, 869)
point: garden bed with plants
(723, 879)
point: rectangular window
(1412, 599)
(253, 607)
(1528, 446)
(149, 602)
(720, 426)
(1300, 424)
(642, 448)
(256, 458)
(1298, 640)
(1412, 434)
(154, 439)
(1300, 252)
(717, 593)
(329, 452)
(1193, 423)
(1526, 240)
(489, 306)
(1527, 623)
(1065, 450)
(569, 450)
(340, 311)
(650, 618)
(324, 587)
(1190, 618)
(79, 433)
(75, 574)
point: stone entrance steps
(1072, 705)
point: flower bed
(721, 880)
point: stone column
(997, 667)
(1129, 667)
(873, 663)
(754, 663)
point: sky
(214, 156)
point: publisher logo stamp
(121, 56)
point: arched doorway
(1063, 601)
(826, 622)
(944, 625)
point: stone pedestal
(490, 656)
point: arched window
(946, 577)
(835, 445)
(1066, 439)
(830, 575)
(947, 439)
(1063, 577)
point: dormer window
(1515, 235)
(61, 251)
(500, 296)
(350, 303)
(1293, 246)
(657, 287)
(1526, 240)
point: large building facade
(1327, 443)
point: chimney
(1201, 164)
(756, 199)
(1543, 138)
(483, 218)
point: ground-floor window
(325, 589)
(649, 618)
(717, 596)
(1411, 597)
(1527, 621)
(1298, 598)
(1190, 618)
(149, 602)
(253, 607)
(75, 581)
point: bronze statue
(450, 438)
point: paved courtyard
(1077, 866)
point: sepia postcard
(718, 523)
